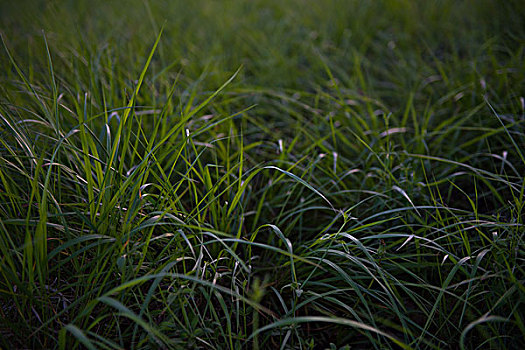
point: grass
(293, 175)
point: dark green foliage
(265, 174)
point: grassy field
(262, 174)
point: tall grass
(295, 175)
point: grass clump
(262, 175)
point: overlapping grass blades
(358, 181)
